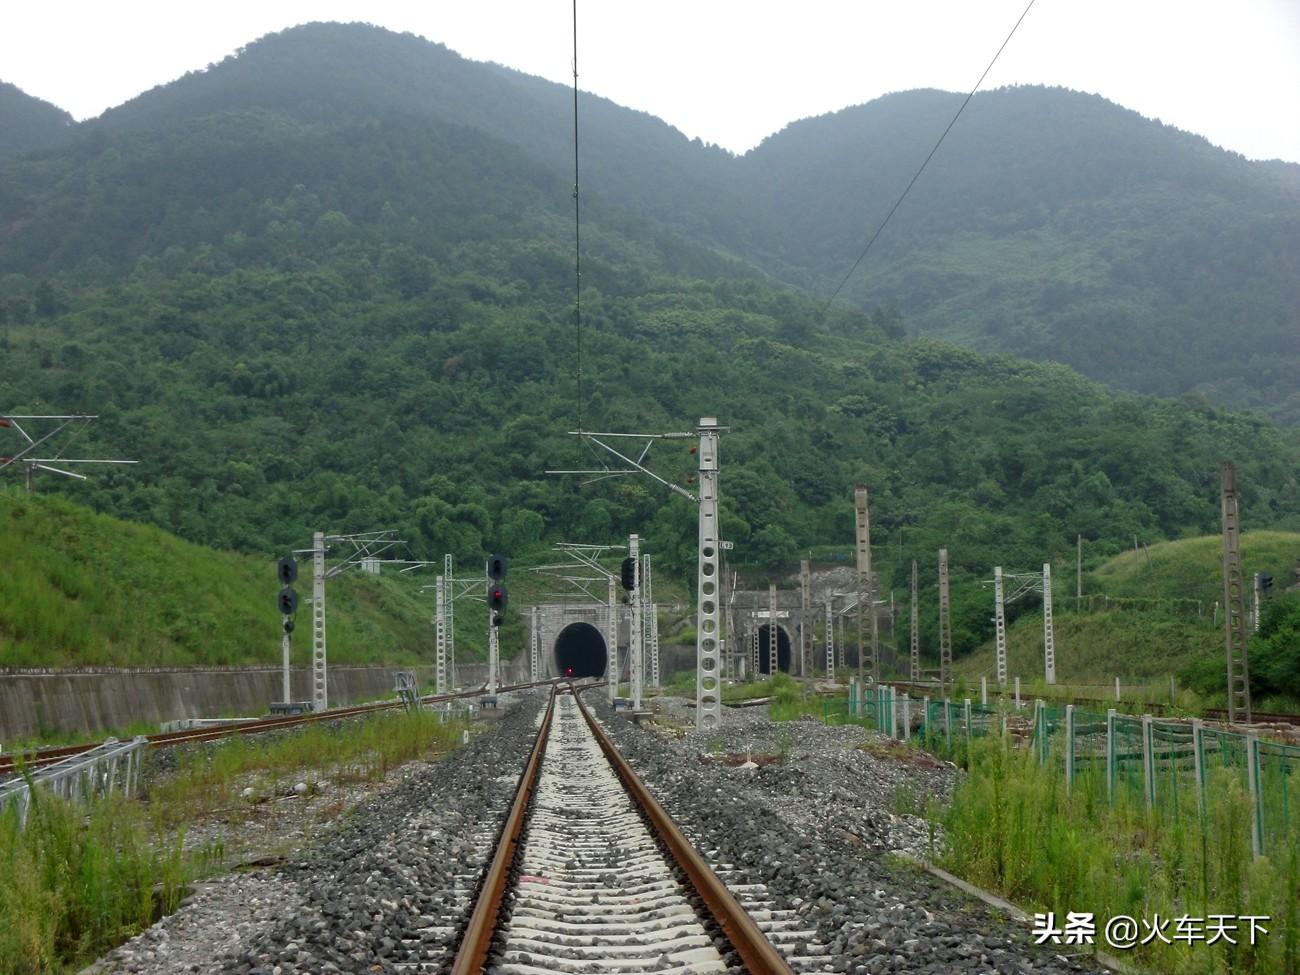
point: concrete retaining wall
(87, 702)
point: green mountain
(28, 123)
(328, 284)
(1053, 225)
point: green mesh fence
(1164, 766)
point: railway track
(47, 756)
(590, 874)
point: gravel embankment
(817, 826)
(814, 817)
(376, 890)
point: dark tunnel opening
(580, 651)
(764, 649)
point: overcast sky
(734, 71)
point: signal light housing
(627, 573)
(497, 599)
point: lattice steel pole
(440, 635)
(1049, 631)
(1000, 624)
(755, 649)
(1234, 609)
(830, 642)
(319, 677)
(945, 622)
(915, 656)
(611, 642)
(805, 621)
(708, 691)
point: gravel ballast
(814, 815)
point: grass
(1159, 620)
(90, 590)
(80, 880)
(1012, 827)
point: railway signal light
(497, 599)
(1265, 581)
(627, 573)
(287, 570)
(288, 626)
(287, 600)
(496, 567)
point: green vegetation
(94, 590)
(81, 880)
(1012, 828)
(1144, 617)
(28, 123)
(306, 298)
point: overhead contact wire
(577, 230)
(917, 175)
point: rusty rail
(477, 941)
(47, 756)
(757, 953)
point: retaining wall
(86, 702)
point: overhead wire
(577, 233)
(917, 175)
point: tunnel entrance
(580, 651)
(764, 651)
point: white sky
(734, 71)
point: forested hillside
(319, 298)
(28, 123)
(1051, 225)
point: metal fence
(1169, 766)
(102, 770)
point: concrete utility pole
(1049, 632)
(915, 670)
(651, 625)
(440, 635)
(319, 688)
(1234, 609)
(449, 621)
(708, 640)
(611, 642)
(708, 690)
(535, 646)
(771, 632)
(1000, 625)
(635, 658)
(805, 624)
(945, 622)
(866, 598)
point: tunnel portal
(782, 649)
(580, 651)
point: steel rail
(47, 756)
(760, 957)
(472, 955)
